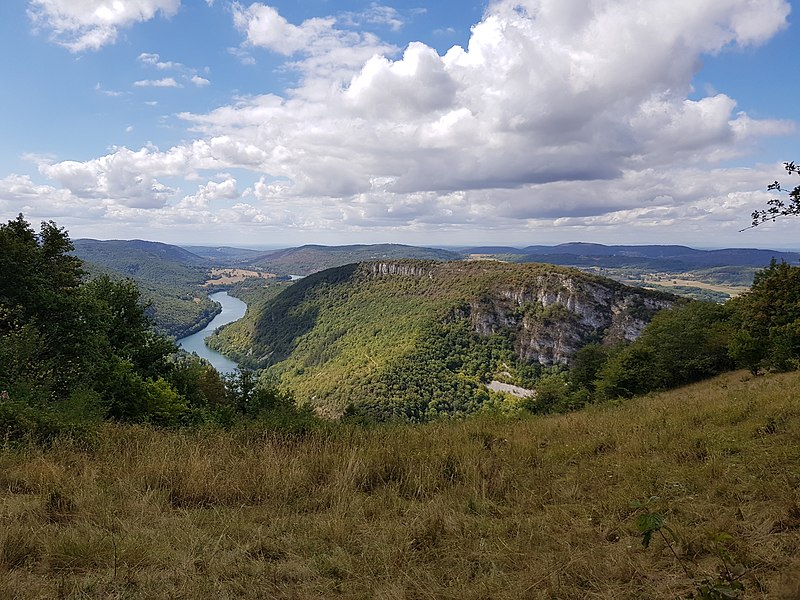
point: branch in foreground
(779, 207)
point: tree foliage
(780, 207)
(768, 320)
(74, 352)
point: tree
(680, 345)
(778, 207)
(768, 316)
(128, 328)
(63, 340)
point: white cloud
(154, 60)
(165, 82)
(81, 25)
(124, 177)
(265, 27)
(186, 74)
(576, 112)
(209, 192)
(327, 52)
(374, 14)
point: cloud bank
(576, 113)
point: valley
(175, 279)
(417, 427)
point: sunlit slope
(423, 337)
(479, 508)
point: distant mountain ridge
(616, 255)
(312, 258)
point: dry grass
(483, 508)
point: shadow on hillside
(293, 313)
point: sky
(455, 122)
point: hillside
(482, 508)
(225, 255)
(168, 276)
(413, 339)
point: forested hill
(417, 338)
(152, 261)
(169, 277)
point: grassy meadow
(482, 508)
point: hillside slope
(474, 509)
(413, 339)
(169, 277)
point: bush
(681, 345)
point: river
(232, 310)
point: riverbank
(231, 309)
(202, 323)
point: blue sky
(437, 123)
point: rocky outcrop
(550, 314)
(406, 268)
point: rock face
(401, 268)
(550, 315)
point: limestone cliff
(551, 315)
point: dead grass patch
(482, 508)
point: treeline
(74, 352)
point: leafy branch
(779, 207)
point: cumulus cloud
(326, 54)
(209, 192)
(577, 112)
(122, 177)
(545, 91)
(81, 25)
(200, 81)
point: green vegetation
(473, 509)
(176, 310)
(170, 280)
(128, 470)
(759, 330)
(75, 352)
(768, 319)
(406, 345)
